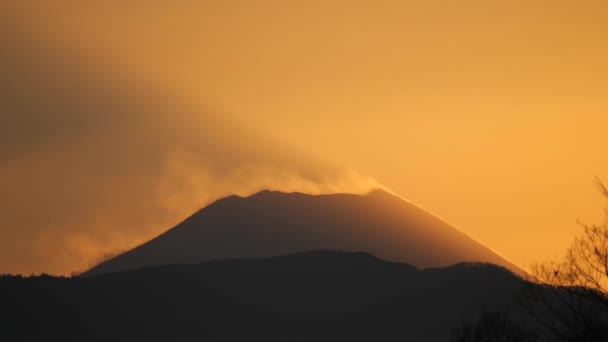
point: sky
(118, 119)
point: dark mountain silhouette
(312, 296)
(273, 223)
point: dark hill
(312, 296)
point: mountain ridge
(319, 295)
(271, 223)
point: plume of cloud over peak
(476, 110)
(94, 162)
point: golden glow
(492, 114)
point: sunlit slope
(275, 223)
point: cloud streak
(93, 161)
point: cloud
(94, 161)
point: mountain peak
(272, 223)
(379, 192)
(270, 193)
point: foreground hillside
(319, 295)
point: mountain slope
(312, 296)
(274, 223)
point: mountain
(311, 296)
(274, 223)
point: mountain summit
(272, 223)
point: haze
(119, 119)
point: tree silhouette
(495, 326)
(570, 298)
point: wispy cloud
(93, 162)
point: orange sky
(491, 114)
